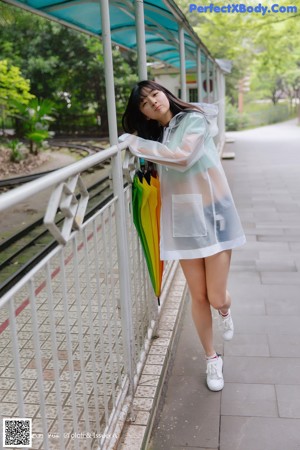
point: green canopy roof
(162, 21)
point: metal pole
(199, 80)
(141, 40)
(109, 72)
(215, 85)
(182, 64)
(222, 98)
(122, 241)
(219, 101)
(207, 80)
(221, 104)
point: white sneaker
(214, 374)
(226, 325)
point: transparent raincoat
(198, 215)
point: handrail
(12, 198)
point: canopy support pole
(182, 64)
(221, 95)
(207, 79)
(141, 40)
(199, 80)
(215, 84)
(117, 177)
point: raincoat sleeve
(187, 145)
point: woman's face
(154, 104)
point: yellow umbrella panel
(146, 214)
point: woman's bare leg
(194, 271)
(216, 271)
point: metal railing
(75, 330)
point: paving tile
(295, 247)
(266, 231)
(238, 266)
(246, 292)
(247, 345)
(245, 255)
(152, 369)
(282, 292)
(267, 324)
(259, 433)
(149, 380)
(283, 305)
(269, 246)
(181, 422)
(141, 418)
(277, 238)
(275, 257)
(247, 276)
(143, 403)
(194, 425)
(249, 400)
(275, 266)
(284, 345)
(145, 391)
(180, 447)
(261, 370)
(190, 356)
(288, 397)
(280, 277)
(133, 437)
(245, 307)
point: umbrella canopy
(146, 218)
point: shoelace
(212, 371)
(227, 323)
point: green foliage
(15, 147)
(36, 120)
(65, 66)
(231, 117)
(265, 47)
(13, 88)
(257, 114)
(6, 14)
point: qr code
(17, 433)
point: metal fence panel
(63, 336)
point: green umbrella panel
(145, 218)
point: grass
(258, 114)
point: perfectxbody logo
(242, 8)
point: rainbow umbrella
(146, 218)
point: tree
(13, 88)
(264, 46)
(63, 64)
(36, 119)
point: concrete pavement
(259, 408)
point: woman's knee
(218, 301)
(200, 299)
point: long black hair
(134, 121)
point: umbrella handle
(130, 164)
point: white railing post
(140, 39)
(214, 83)
(182, 64)
(207, 80)
(199, 77)
(222, 104)
(122, 242)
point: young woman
(199, 222)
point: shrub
(16, 154)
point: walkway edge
(136, 435)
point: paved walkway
(259, 408)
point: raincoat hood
(209, 111)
